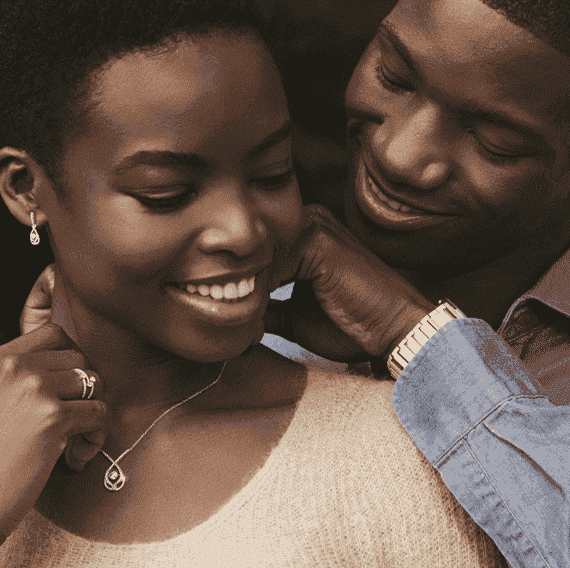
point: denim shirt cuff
(464, 372)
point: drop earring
(34, 236)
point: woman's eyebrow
(168, 159)
(162, 158)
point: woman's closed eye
(166, 198)
(275, 181)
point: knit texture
(345, 487)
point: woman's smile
(231, 300)
(223, 311)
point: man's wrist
(414, 315)
(413, 341)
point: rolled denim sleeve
(503, 450)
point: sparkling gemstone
(113, 475)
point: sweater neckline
(235, 503)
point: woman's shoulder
(354, 395)
(383, 483)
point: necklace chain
(114, 476)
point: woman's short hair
(49, 49)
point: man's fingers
(278, 319)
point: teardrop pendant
(34, 236)
(114, 478)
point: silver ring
(88, 382)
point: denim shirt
(498, 429)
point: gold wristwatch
(417, 338)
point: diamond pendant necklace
(114, 476)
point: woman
(169, 198)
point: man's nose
(411, 149)
(233, 225)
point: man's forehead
(466, 49)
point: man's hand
(353, 306)
(37, 309)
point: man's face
(458, 135)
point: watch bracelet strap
(405, 351)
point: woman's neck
(139, 378)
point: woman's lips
(386, 212)
(225, 311)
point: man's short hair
(548, 20)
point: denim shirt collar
(553, 289)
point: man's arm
(475, 412)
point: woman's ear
(21, 178)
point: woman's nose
(233, 224)
(411, 149)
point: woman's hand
(40, 409)
(37, 309)
(352, 305)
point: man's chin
(413, 250)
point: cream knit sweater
(344, 487)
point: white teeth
(396, 205)
(243, 289)
(230, 291)
(216, 292)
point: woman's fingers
(85, 424)
(53, 360)
(71, 384)
(80, 416)
(37, 309)
(47, 337)
(82, 448)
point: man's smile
(387, 212)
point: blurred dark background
(318, 44)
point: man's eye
(277, 181)
(389, 84)
(494, 154)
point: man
(459, 129)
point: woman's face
(180, 190)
